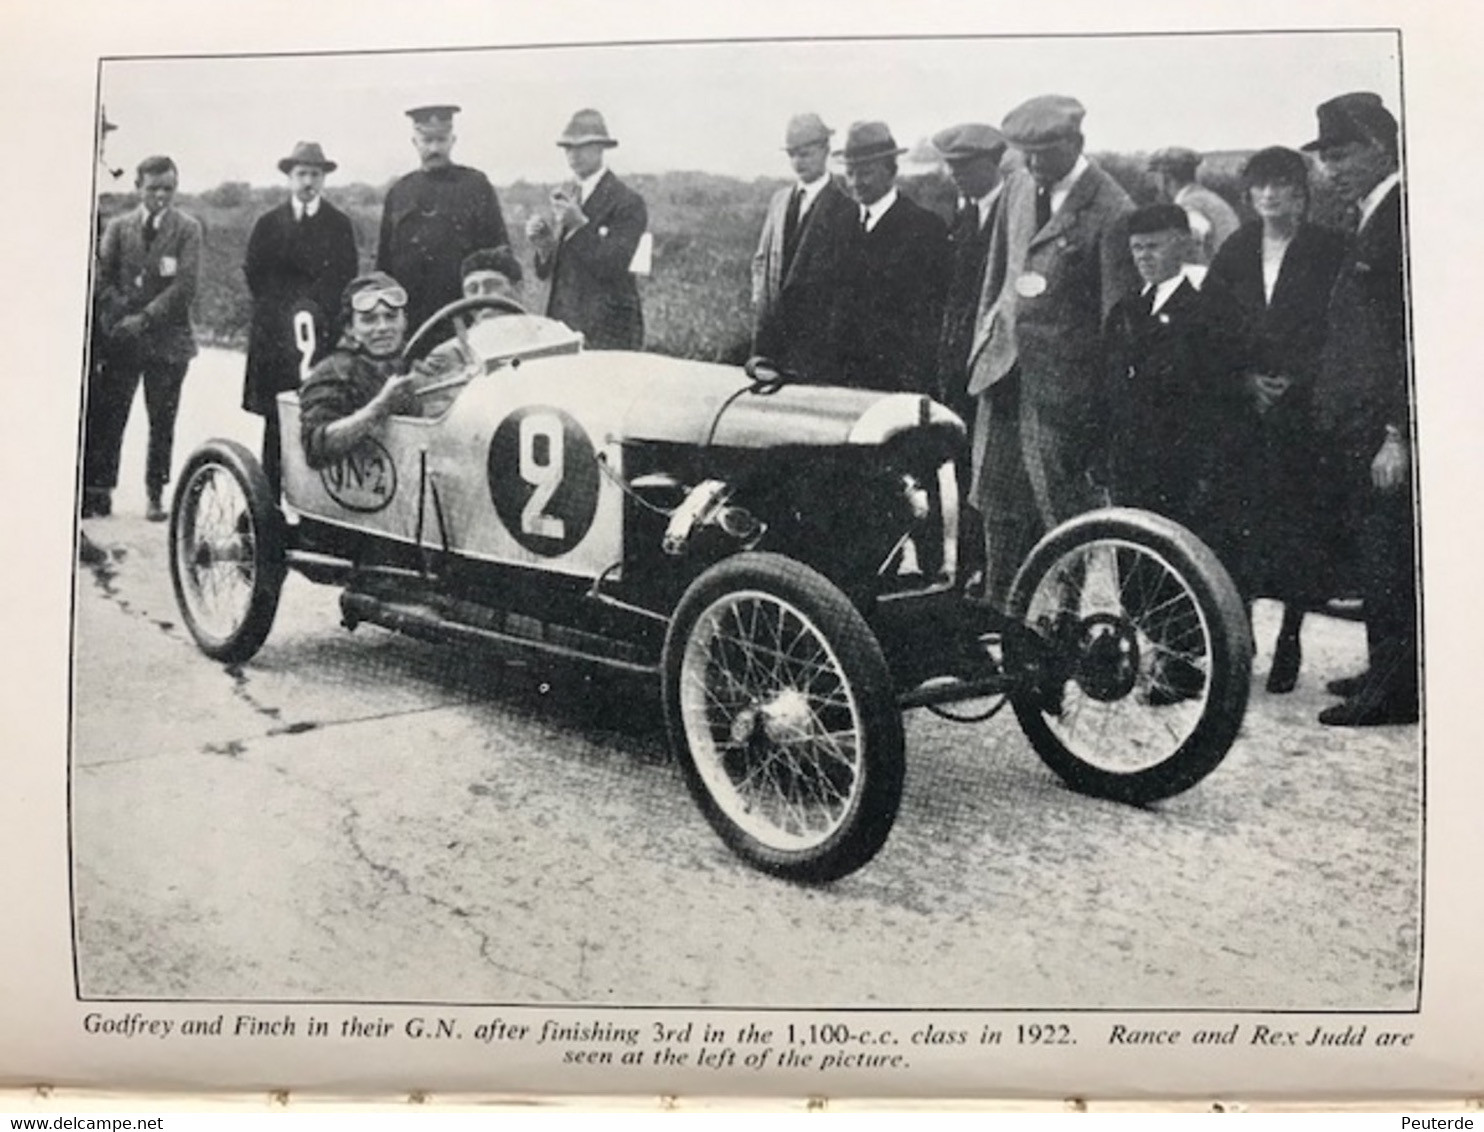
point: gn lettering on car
(363, 480)
(543, 479)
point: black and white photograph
(909, 526)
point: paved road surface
(357, 816)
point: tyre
(1134, 655)
(782, 714)
(226, 551)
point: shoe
(1287, 658)
(97, 503)
(155, 512)
(1358, 712)
(1347, 687)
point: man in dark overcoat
(895, 273)
(300, 256)
(1363, 408)
(1059, 261)
(796, 270)
(588, 246)
(435, 216)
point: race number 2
(543, 479)
(304, 342)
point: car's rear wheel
(1134, 653)
(782, 714)
(226, 551)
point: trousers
(112, 383)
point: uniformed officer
(435, 216)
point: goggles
(366, 301)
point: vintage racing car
(783, 557)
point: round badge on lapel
(1031, 284)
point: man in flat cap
(972, 152)
(1061, 252)
(587, 247)
(435, 216)
(1363, 408)
(1212, 220)
(796, 269)
(149, 261)
(894, 276)
(300, 256)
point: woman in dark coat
(1278, 273)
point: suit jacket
(293, 265)
(891, 303)
(157, 280)
(968, 242)
(592, 289)
(1170, 382)
(1362, 382)
(1079, 264)
(429, 223)
(794, 310)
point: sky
(721, 107)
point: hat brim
(288, 163)
(1047, 143)
(873, 155)
(570, 143)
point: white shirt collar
(1163, 291)
(1373, 199)
(590, 183)
(986, 202)
(300, 208)
(810, 191)
(1062, 188)
(874, 212)
(159, 220)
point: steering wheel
(461, 311)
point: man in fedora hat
(149, 261)
(1212, 220)
(796, 269)
(588, 244)
(300, 256)
(1061, 261)
(435, 216)
(1362, 405)
(894, 275)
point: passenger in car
(365, 379)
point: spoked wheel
(1135, 655)
(226, 551)
(783, 717)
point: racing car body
(782, 556)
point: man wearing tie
(300, 256)
(148, 264)
(895, 273)
(587, 248)
(796, 269)
(1036, 362)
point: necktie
(865, 220)
(151, 229)
(791, 227)
(1043, 207)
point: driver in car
(365, 379)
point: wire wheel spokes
(1130, 720)
(774, 726)
(216, 550)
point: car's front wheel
(226, 551)
(782, 714)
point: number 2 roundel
(543, 477)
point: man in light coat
(796, 269)
(1059, 261)
(1212, 220)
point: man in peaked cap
(435, 216)
(1362, 404)
(796, 269)
(1212, 220)
(972, 152)
(300, 256)
(587, 246)
(894, 274)
(1061, 261)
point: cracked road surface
(363, 817)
